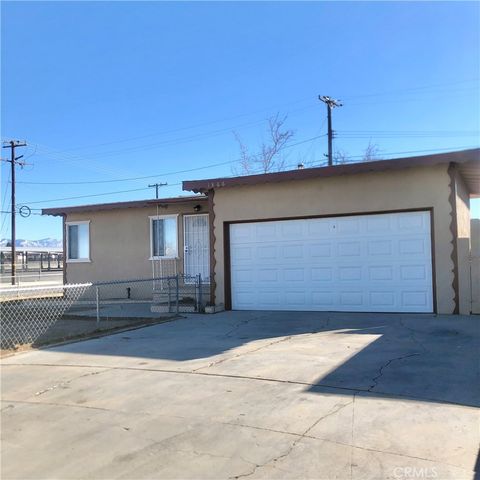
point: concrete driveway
(250, 394)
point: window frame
(164, 217)
(67, 240)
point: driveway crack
(253, 350)
(412, 336)
(67, 382)
(298, 439)
(381, 370)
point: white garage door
(362, 263)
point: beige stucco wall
(421, 187)
(462, 199)
(120, 243)
(475, 254)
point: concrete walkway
(252, 394)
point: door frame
(226, 244)
(208, 244)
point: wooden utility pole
(330, 103)
(157, 185)
(12, 144)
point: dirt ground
(71, 328)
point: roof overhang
(468, 162)
(58, 211)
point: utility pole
(157, 185)
(12, 144)
(330, 103)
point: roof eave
(60, 211)
(463, 156)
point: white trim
(163, 217)
(77, 260)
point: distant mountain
(43, 242)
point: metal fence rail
(27, 313)
(169, 294)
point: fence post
(169, 294)
(176, 291)
(199, 286)
(97, 298)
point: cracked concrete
(376, 379)
(257, 395)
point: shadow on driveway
(433, 358)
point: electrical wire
(3, 201)
(191, 127)
(213, 165)
(166, 132)
(411, 89)
(92, 195)
(180, 183)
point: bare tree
(340, 157)
(268, 158)
(370, 154)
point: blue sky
(104, 91)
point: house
(135, 240)
(383, 236)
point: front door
(196, 247)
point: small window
(78, 241)
(163, 237)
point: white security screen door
(362, 263)
(196, 246)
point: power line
(218, 132)
(4, 198)
(165, 143)
(180, 183)
(94, 195)
(404, 135)
(411, 89)
(213, 165)
(191, 127)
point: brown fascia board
(472, 157)
(58, 211)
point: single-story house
(136, 239)
(391, 235)
(380, 236)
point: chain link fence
(28, 313)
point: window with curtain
(163, 237)
(78, 241)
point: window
(163, 237)
(78, 241)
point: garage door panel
(362, 263)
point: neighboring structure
(32, 258)
(386, 236)
(138, 239)
(33, 265)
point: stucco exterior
(410, 188)
(462, 207)
(475, 265)
(120, 243)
